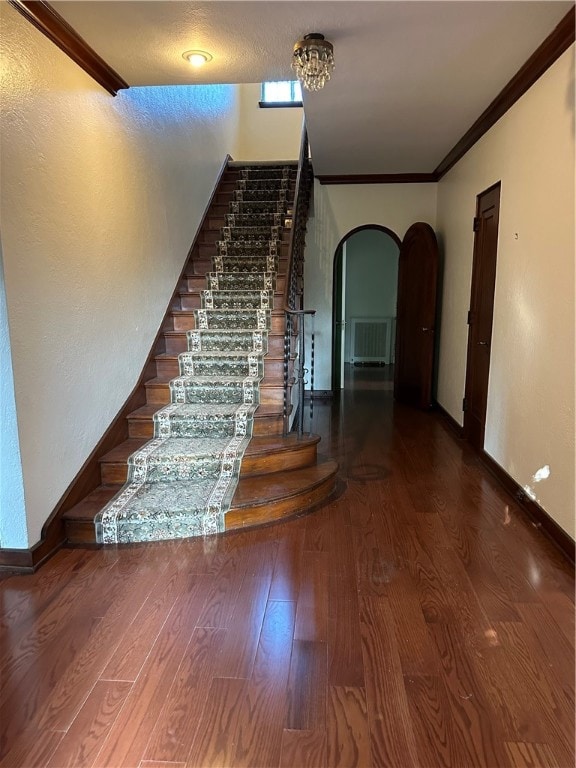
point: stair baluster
(295, 286)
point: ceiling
(411, 76)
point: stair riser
(212, 369)
(159, 394)
(176, 343)
(201, 266)
(185, 322)
(220, 210)
(231, 185)
(194, 301)
(277, 510)
(197, 284)
(207, 251)
(296, 458)
(264, 425)
(171, 368)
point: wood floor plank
(215, 742)
(550, 644)
(312, 612)
(287, 569)
(80, 745)
(416, 648)
(78, 596)
(160, 764)
(525, 755)
(375, 563)
(259, 557)
(32, 749)
(318, 536)
(222, 594)
(303, 748)
(126, 741)
(469, 701)
(141, 633)
(530, 706)
(345, 659)
(22, 597)
(67, 695)
(347, 728)
(261, 725)
(437, 603)
(23, 707)
(441, 735)
(306, 709)
(239, 648)
(392, 739)
(561, 608)
(176, 727)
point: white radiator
(372, 339)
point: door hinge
(464, 404)
(469, 320)
(476, 225)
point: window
(286, 93)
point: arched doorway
(364, 299)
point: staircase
(237, 369)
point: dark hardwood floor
(417, 620)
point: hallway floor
(419, 619)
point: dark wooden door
(416, 314)
(480, 315)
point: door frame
(337, 282)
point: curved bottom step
(272, 497)
(259, 498)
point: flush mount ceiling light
(313, 61)
(197, 58)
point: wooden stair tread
(89, 507)
(121, 452)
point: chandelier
(313, 61)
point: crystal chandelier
(313, 61)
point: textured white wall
(100, 200)
(337, 209)
(12, 510)
(530, 419)
(269, 133)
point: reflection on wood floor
(417, 620)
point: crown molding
(557, 42)
(378, 178)
(48, 21)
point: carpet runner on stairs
(181, 483)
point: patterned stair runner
(181, 482)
